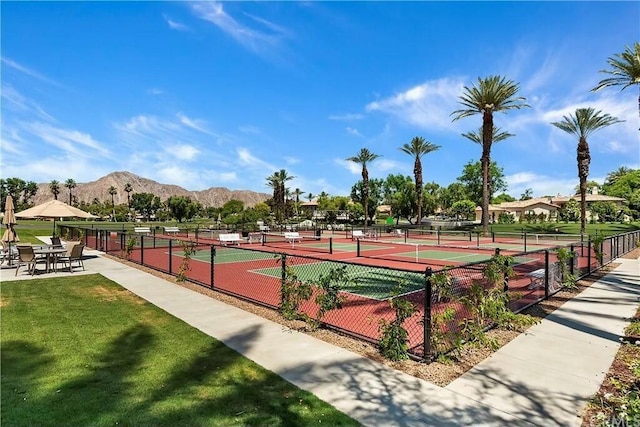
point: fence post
(506, 275)
(546, 273)
(213, 256)
(283, 279)
(525, 242)
(142, 249)
(572, 261)
(122, 247)
(170, 255)
(331, 245)
(427, 314)
(358, 247)
(589, 254)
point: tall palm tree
(614, 176)
(492, 94)
(128, 188)
(583, 123)
(70, 184)
(417, 148)
(363, 157)
(625, 70)
(297, 193)
(113, 192)
(54, 186)
(277, 181)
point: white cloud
(69, 140)
(426, 106)
(353, 131)
(252, 39)
(291, 160)
(29, 72)
(155, 91)
(192, 123)
(349, 117)
(352, 167)
(247, 159)
(182, 151)
(174, 25)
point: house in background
(550, 206)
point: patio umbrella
(54, 209)
(9, 220)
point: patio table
(50, 252)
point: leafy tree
(54, 186)
(399, 192)
(606, 211)
(146, 203)
(431, 198)
(464, 209)
(70, 184)
(625, 185)
(21, 191)
(262, 211)
(363, 157)
(472, 178)
(570, 211)
(492, 94)
(625, 70)
(232, 207)
(454, 192)
(417, 148)
(374, 193)
(583, 123)
(501, 198)
(182, 207)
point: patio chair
(8, 253)
(74, 254)
(55, 242)
(26, 256)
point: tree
(454, 192)
(399, 192)
(21, 191)
(277, 182)
(417, 148)
(583, 123)
(605, 211)
(431, 198)
(501, 198)
(492, 94)
(570, 211)
(182, 207)
(374, 195)
(54, 186)
(591, 185)
(70, 184)
(625, 70)
(613, 177)
(472, 178)
(146, 203)
(232, 207)
(626, 186)
(128, 188)
(112, 192)
(297, 193)
(362, 158)
(464, 209)
(527, 195)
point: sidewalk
(544, 377)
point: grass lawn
(84, 351)
(565, 228)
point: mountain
(215, 196)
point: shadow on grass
(216, 386)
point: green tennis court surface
(227, 255)
(371, 282)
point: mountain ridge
(210, 197)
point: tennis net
(297, 241)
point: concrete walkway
(544, 377)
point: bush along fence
(407, 313)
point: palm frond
(625, 69)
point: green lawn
(84, 351)
(564, 228)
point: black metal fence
(445, 300)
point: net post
(525, 242)
(358, 247)
(478, 238)
(406, 234)
(438, 235)
(213, 256)
(170, 254)
(493, 236)
(426, 354)
(331, 245)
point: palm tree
(297, 192)
(583, 123)
(612, 177)
(128, 188)
(625, 70)
(277, 181)
(492, 94)
(363, 157)
(54, 186)
(417, 148)
(113, 192)
(70, 184)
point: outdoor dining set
(54, 257)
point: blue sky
(223, 94)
